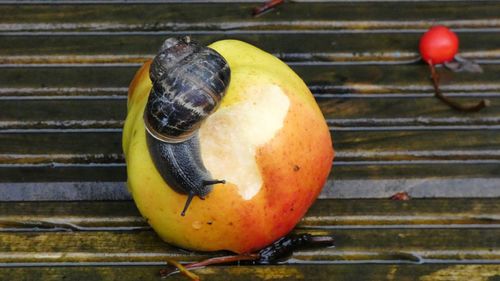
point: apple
(268, 140)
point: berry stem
(451, 103)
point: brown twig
(257, 11)
(184, 269)
(453, 104)
(177, 267)
(222, 260)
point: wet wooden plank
(76, 143)
(354, 245)
(381, 144)
(436, 272)
(65, 69)
(104, 168)
(325, 213)
(333, 15)
(455, 143)
(115, 110)
(29, 189)
(373, 170)
(319, 77)
(112, 232)
(394, 47)
(110, 240)
(63, 110)
(56, 172)
(369, 180)
(96, 156)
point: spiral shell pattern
(189, 81)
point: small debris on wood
(266, 7)
(400, 196)
(460, 64)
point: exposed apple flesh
(230, 137)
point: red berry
(438, 45)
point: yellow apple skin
(294, 164)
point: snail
(189, 82)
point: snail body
(189, 82)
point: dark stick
(453, 104)
(266, 7)
(272, 254)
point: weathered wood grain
(54, 172)
(422, 231)
(109, 240)
(64, 72)
(413, 169)
(325, 213)
(299, 46)
(384, 124)
(435, 272)
(458, 144)
(415, 75)
(391, 245)
(58, 171)
(96, 156)
(112, 110)
(203, 16)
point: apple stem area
(280, 250)
(451, 103)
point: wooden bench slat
(81, 237)
(326, 213)
(394, 47)
(358, 145)
(425, 272)
(439, 178)
(64, 71)
(404, 244)
(49, 171)
(225, 16)
(114, 111)
(390, 76)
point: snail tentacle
(189, 81)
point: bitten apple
(268, 140)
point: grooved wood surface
(65, 66)
(375, 238)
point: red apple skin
(304, 171)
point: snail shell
(189, 81)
